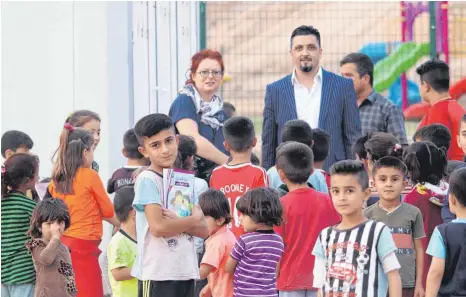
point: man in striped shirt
(355, 258)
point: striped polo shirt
(257, 254)
(17, 265)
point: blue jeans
(23, 290)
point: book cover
(178, 188)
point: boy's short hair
(295, 160)
(438, 134)
(123, 202)
(352, 167)
(463, 121)
(436, 73)
(229, 109)
(13, 140)
(151, 125)
(299, 131)
(131, 145)
(321, 144)
(215, 204)
(452, 165)
(239, 133)
(458, 186)
(359, 148)
(390, 162)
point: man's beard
(306, 69)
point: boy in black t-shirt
(124, 175)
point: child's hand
(168, 214)
(419, 291)
(57, 229)
(205, 292)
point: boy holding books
(172, 270)
(356, 257)
(238, 175)
(404, 220)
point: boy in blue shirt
(299, 131)
(447, 246)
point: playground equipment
(393, 59)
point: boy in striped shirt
(238, 175)
(355, 258)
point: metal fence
(254, 40)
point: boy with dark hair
(357, 247)
(359, 148)
(298, 131)
(122, 248)
(461, 137)
(238, 175)
(300, 229)
(14, 142)
(320, 149)
(447, 272)
(438, 134)
(404, 220)
(229, 109)
(124, 175)
(170, 271)
(434, 89)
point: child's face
(19, 150)
(88, 157)
(248, 224)
(347, 194)
(161, 149)
(32, 183)
(214, 224)
(389, 183)
(94, 127)
(47, 229)
(462, 137)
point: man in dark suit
(321, 98)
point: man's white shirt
(308, 101)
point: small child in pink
(221, 241)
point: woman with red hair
(198, 111)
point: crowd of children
(390, 223)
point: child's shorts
(166, 288)
(24, 290)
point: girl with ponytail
(426, 165)
(88, 120)
(75, 182)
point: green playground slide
(390, 68)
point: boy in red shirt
(239, 174)
(435, 84)
(306, 213)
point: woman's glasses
(215, 73)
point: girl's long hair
(69, 157)
(18, 170)
(81, 117)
